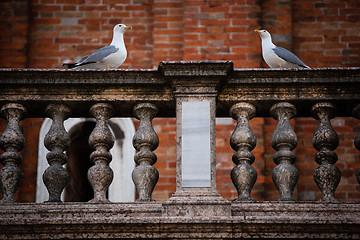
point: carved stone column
(145, 141)
(11, 141)
(101, 140)
(243, 140)
(196, 86)
(356, 113)
(325, 141)
(57, 140)
(284, 140)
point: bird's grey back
(289, 56)
(99, 54)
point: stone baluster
(101, 140)
(145, 140)
(243, 140)
(11, 141)
(325, 141)
(57, 140)
(285, 175)
(356, 113)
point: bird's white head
(121, 28)
(263, 34)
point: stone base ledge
(196, 204)
(75, 213)
(146, 220)
(331, 212)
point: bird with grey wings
(109, 57)
(278, 57)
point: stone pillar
(11, 141)
(356, 113)
(195, 93)
(325, 140)
(57, 140)
(285, 175)
(101, 140)
(243, 140)
(145, 140)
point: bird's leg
(107, 67)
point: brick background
(14, 24)
(46, 33)
(327, 32)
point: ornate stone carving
(325, 141)
(102, 140)
(356, 113)
(285, 175)
(145, 140)
(57, 140)
(243, 140)
(11, 141)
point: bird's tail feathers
(69, 65)
(73, 65)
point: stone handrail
(35, 88)
(208, 89)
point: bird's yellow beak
(128, 27)
(257, 30)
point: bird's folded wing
(289, 56)
(98, 55)
(82, 59)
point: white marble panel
(195, 148)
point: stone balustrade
(195, 93)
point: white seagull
(278, 57)
(110, 57)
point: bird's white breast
(116, 59)
(269, 55)
(272, 59)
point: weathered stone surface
(356, 113)
(101, 140)
(243, 140)
(303, 88)
(145, 140)
(196, 202)
(285, 175)
(11, 141)
(196, 83)
(325, 140)
(145, 220)
(191, 213)
(57, 140)
(80, 89)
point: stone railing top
(196, 68)
(134, 221)
(79, 89)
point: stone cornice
(79, 89)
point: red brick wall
(222, 30)
(14, 22)
(326, 33)
(166, 153)
(168, 31)
(45, 33)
